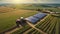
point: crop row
(50, 25)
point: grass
(50, 25)
(22, 30)
(7, 20)
(8, 17)
(6, 9)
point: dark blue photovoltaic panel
(40, 15)
(32, 19)
(36, 17)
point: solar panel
(36, 17)
(40, 15)
(32, 19)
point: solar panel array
(33, 19)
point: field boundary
(8, 30)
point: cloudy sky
(29, 1)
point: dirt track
(36, 28)
(31, 25)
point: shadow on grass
(8, 30)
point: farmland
(7, 19)
(50, 25)
(9, 14)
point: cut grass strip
(57, 27)
(53, 22)
(22, 30)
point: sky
(30, 1)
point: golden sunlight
(17, 1)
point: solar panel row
(33, 19)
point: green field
(7, 20)
(50, 25)
(33, 7)
(8, 16)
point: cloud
(31, 1)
